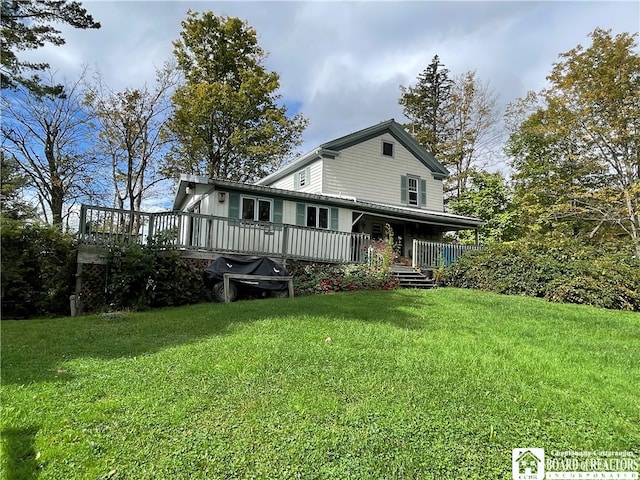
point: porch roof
(398, 213)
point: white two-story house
(327, 204)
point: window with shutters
(258, 209)
(315, 216)
(412, 190)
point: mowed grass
(440, 384)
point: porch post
(83, 222)
(285, 241)
(150, 234)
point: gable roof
(332, 149)
(400, 134)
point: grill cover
(246, 266)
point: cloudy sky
(341, 63)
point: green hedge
(38, 270)
(141, 277)
(565, 272)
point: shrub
(141, 277)
(509, 268)
(563, 272)
(610, 281)
(311, 278)
(38, 269)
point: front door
(399, 237)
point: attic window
(302, 178)
(387, 149)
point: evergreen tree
(26, 25)
(427, 105)
(13, 183)
(455, 119)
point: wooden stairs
(410, 277)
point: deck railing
(199, 232)
(435, 254)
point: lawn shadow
(20, 458)
(36, 351)
(373, 307)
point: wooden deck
(207, 237)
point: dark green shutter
(277, 210)
(334, 218)
(403, 189)
(423, 193)
(307, 176)
(296, 181)
(301, 214)
(234, 205)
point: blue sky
(341, 63)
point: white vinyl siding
(285, 183)
(313, 179)
(363, 172)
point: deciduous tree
(129, 135)
(473, 132)
(50, 137)
(227, 122)
(576, 148)
(488, 197)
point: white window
(258, 209)
(412, 189)
(317, 217)
(302, 178)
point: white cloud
(343, 62)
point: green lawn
(440, 384)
